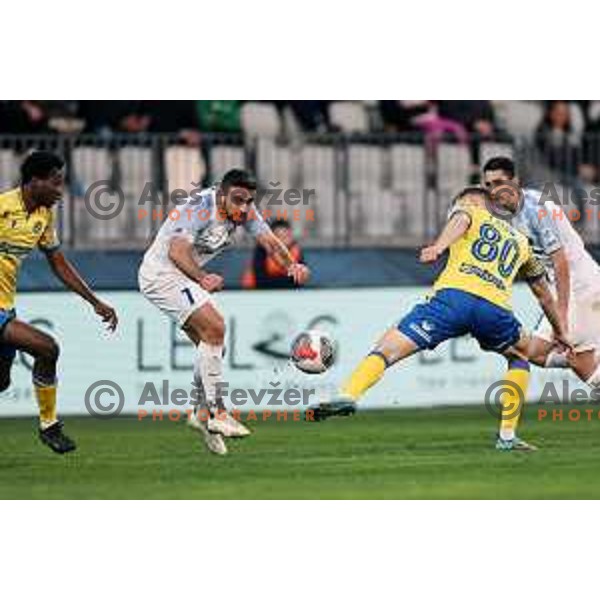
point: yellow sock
(46, 397)
(368, 373)
(512, 401)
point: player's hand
(430, 254)
(108, 314)
(299, 273)
(212, 282)
(564, 343)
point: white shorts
(584, 320)
(172, 292)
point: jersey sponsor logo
(212, 239)
(484, 275)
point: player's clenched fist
(212, 282)
(299, 273)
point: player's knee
(50, 350)
(215, 332)
(539, 360)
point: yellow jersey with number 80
(20, 233)
(486, 259)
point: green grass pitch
(426, 453)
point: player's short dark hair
(238, 178)
(275, 223)
(40, 164)
(468, 191)
(501, 163)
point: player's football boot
(54, 438)
(213, 441)
(514, 445)
(227, 426)
(341, 407)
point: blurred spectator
(265, 272)
(403, 115)
(589, 171)
(63, 116)
(557, 140)
(421, 115)
(478, 119)
(476, 116)
(21, 117)
(312, 115)
(176, 117)
(219, 116)
(119, 116)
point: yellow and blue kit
(473, 293)
(20, 233)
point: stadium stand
(372, 187)
(349, 117)
(260, 119)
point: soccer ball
(313, 352)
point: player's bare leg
(206, 329)
(513, 397)
(584, 363)
(390, 349)
(544, 353)
(6, 363)
(44, 351)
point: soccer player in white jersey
(573, 273)
(174, 278)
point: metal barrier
(353, 190)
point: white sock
(507, 434)
(208, 373)
(557, 360)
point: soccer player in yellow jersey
(471, 296)
(26, 223)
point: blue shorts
(6, 350)
(452, 313)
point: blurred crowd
(566, 133)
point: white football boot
(213, 441)
(227, 426)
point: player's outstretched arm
(455, 228)
(277, 249)
(68, 274)
(182, 255)
(541, 290)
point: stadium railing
(338, 190)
